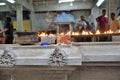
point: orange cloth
(114, 25)
(66, 39)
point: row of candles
(91, 33)
(87, 33)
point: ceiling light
(11, 1)
(2, 4)
(99, 2)
(61, 1)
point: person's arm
(118, 26)
(3, 30)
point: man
(102, 22)
(84, 26)
(8, 31)
(85, 23)
(114, 23)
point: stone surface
(100, 51)
(76, 54)
(36, 55)
(100, 61)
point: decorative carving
(58, 58)
(7, 58)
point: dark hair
(112, 14)
(104, 10)
(82, 16)
(8, 19)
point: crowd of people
(103, 23)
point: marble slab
(39, 55)
(99, 51)
(77, 53)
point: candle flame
(41, 34)
(90, 33)
(110, 32)
(83, 32)
(105, 32)
(62, 33)
(86, 33)
(75, 33)
(97, 32)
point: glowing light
(11, 1)
(97, 32)
(110, 32)
(62, 33)
(1, 4)
(90, 33)
(75, 33)
(99, 2)
(85, 32)
(41, 34)
(61, 1)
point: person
(92, 27)
(102, 22)
(85, 23)
(8, 29)
(114, 23)
(1, 35)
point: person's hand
(5, 29)
(98, 25)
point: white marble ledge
(100, 53)
(82, 52)
(38, 55)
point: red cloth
(1, 39)
(1, 36)
(103, 21)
